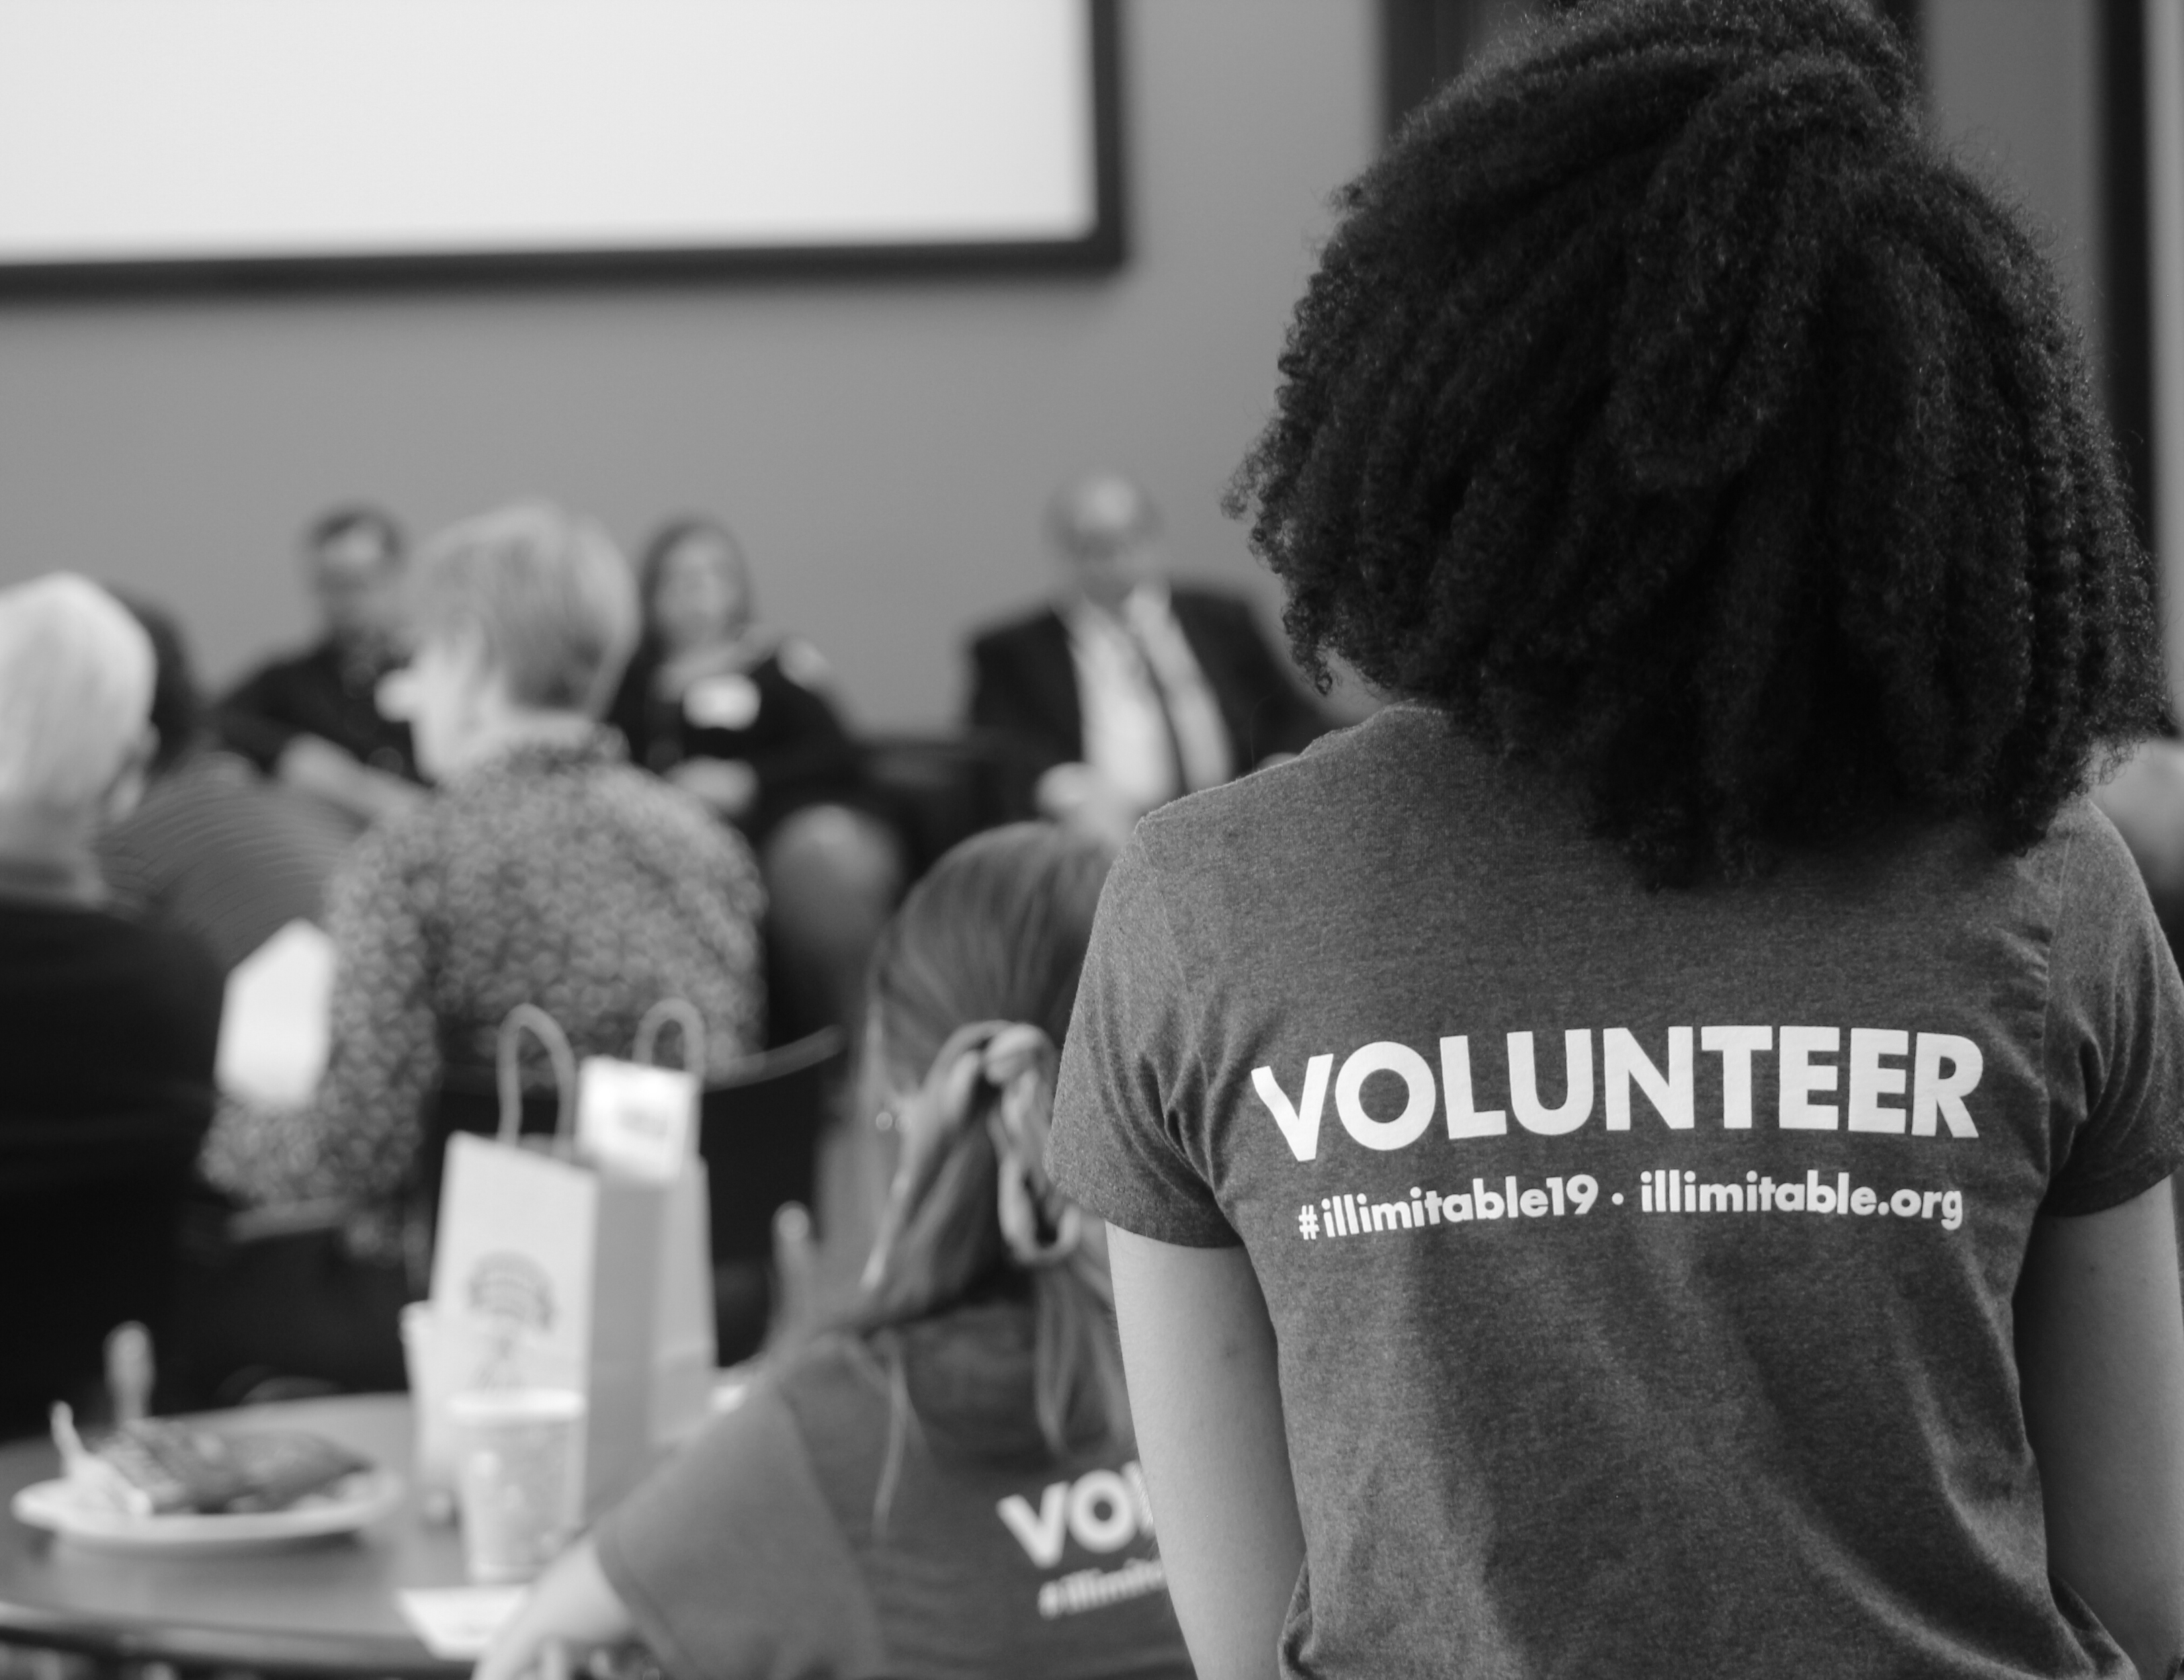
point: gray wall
(885, 447)
(2014, 85)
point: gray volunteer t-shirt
(1642, 1261)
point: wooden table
(328, 1608)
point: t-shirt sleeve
(2115, 1032)
(730, 1564)
(1116, 1148)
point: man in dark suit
(312, 720)
(1127, 692)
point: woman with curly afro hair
(1651, 1156)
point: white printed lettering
(1407, 1063)
(1388, 1216)
(1102, 1510)
(1524, 1085)
(1300, 1122)
(1102, 1516)
(1041, 1536)
(1463, 1119)
(1870, 1081)
(1933, 1091)
(1622, 1061)
(1736, 1046)
(1800, 1078)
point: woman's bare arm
(572, 1610)
(2100, 1353)
(1199, 1351)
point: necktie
(1181, 781)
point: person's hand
(573, 1610)
(312, 765)
(1081, 799)
(729, 786)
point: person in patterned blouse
(546, 870)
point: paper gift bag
(550, 1270)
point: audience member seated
(107, 1028)
(313, 722)
(896, 1497)
(741, 717)
(214, 850)
(1128, 692)
(545, 870)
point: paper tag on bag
(634, 1118)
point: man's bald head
(1104, 525)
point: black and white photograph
(1091, 839)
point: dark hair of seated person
(177, 708)
(1684, 419)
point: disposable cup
(519, 1477)
(430, 1362)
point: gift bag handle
(543, 1027)
(683, 1014)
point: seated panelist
(1129, 692)
(945, 1483)
(744, 719)
(711, 700)
(313, 721)
(544, 869)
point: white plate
(349, 1504)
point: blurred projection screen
(142, 138)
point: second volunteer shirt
(1642, 1261)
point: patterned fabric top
(559, 875)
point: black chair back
(759, 1126)
(90, 1214)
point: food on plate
(156, 1466)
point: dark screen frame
(1104, 249)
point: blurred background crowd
(512, 767)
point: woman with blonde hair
(945, 1483)
(545, 868)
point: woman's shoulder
(966, 1375)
